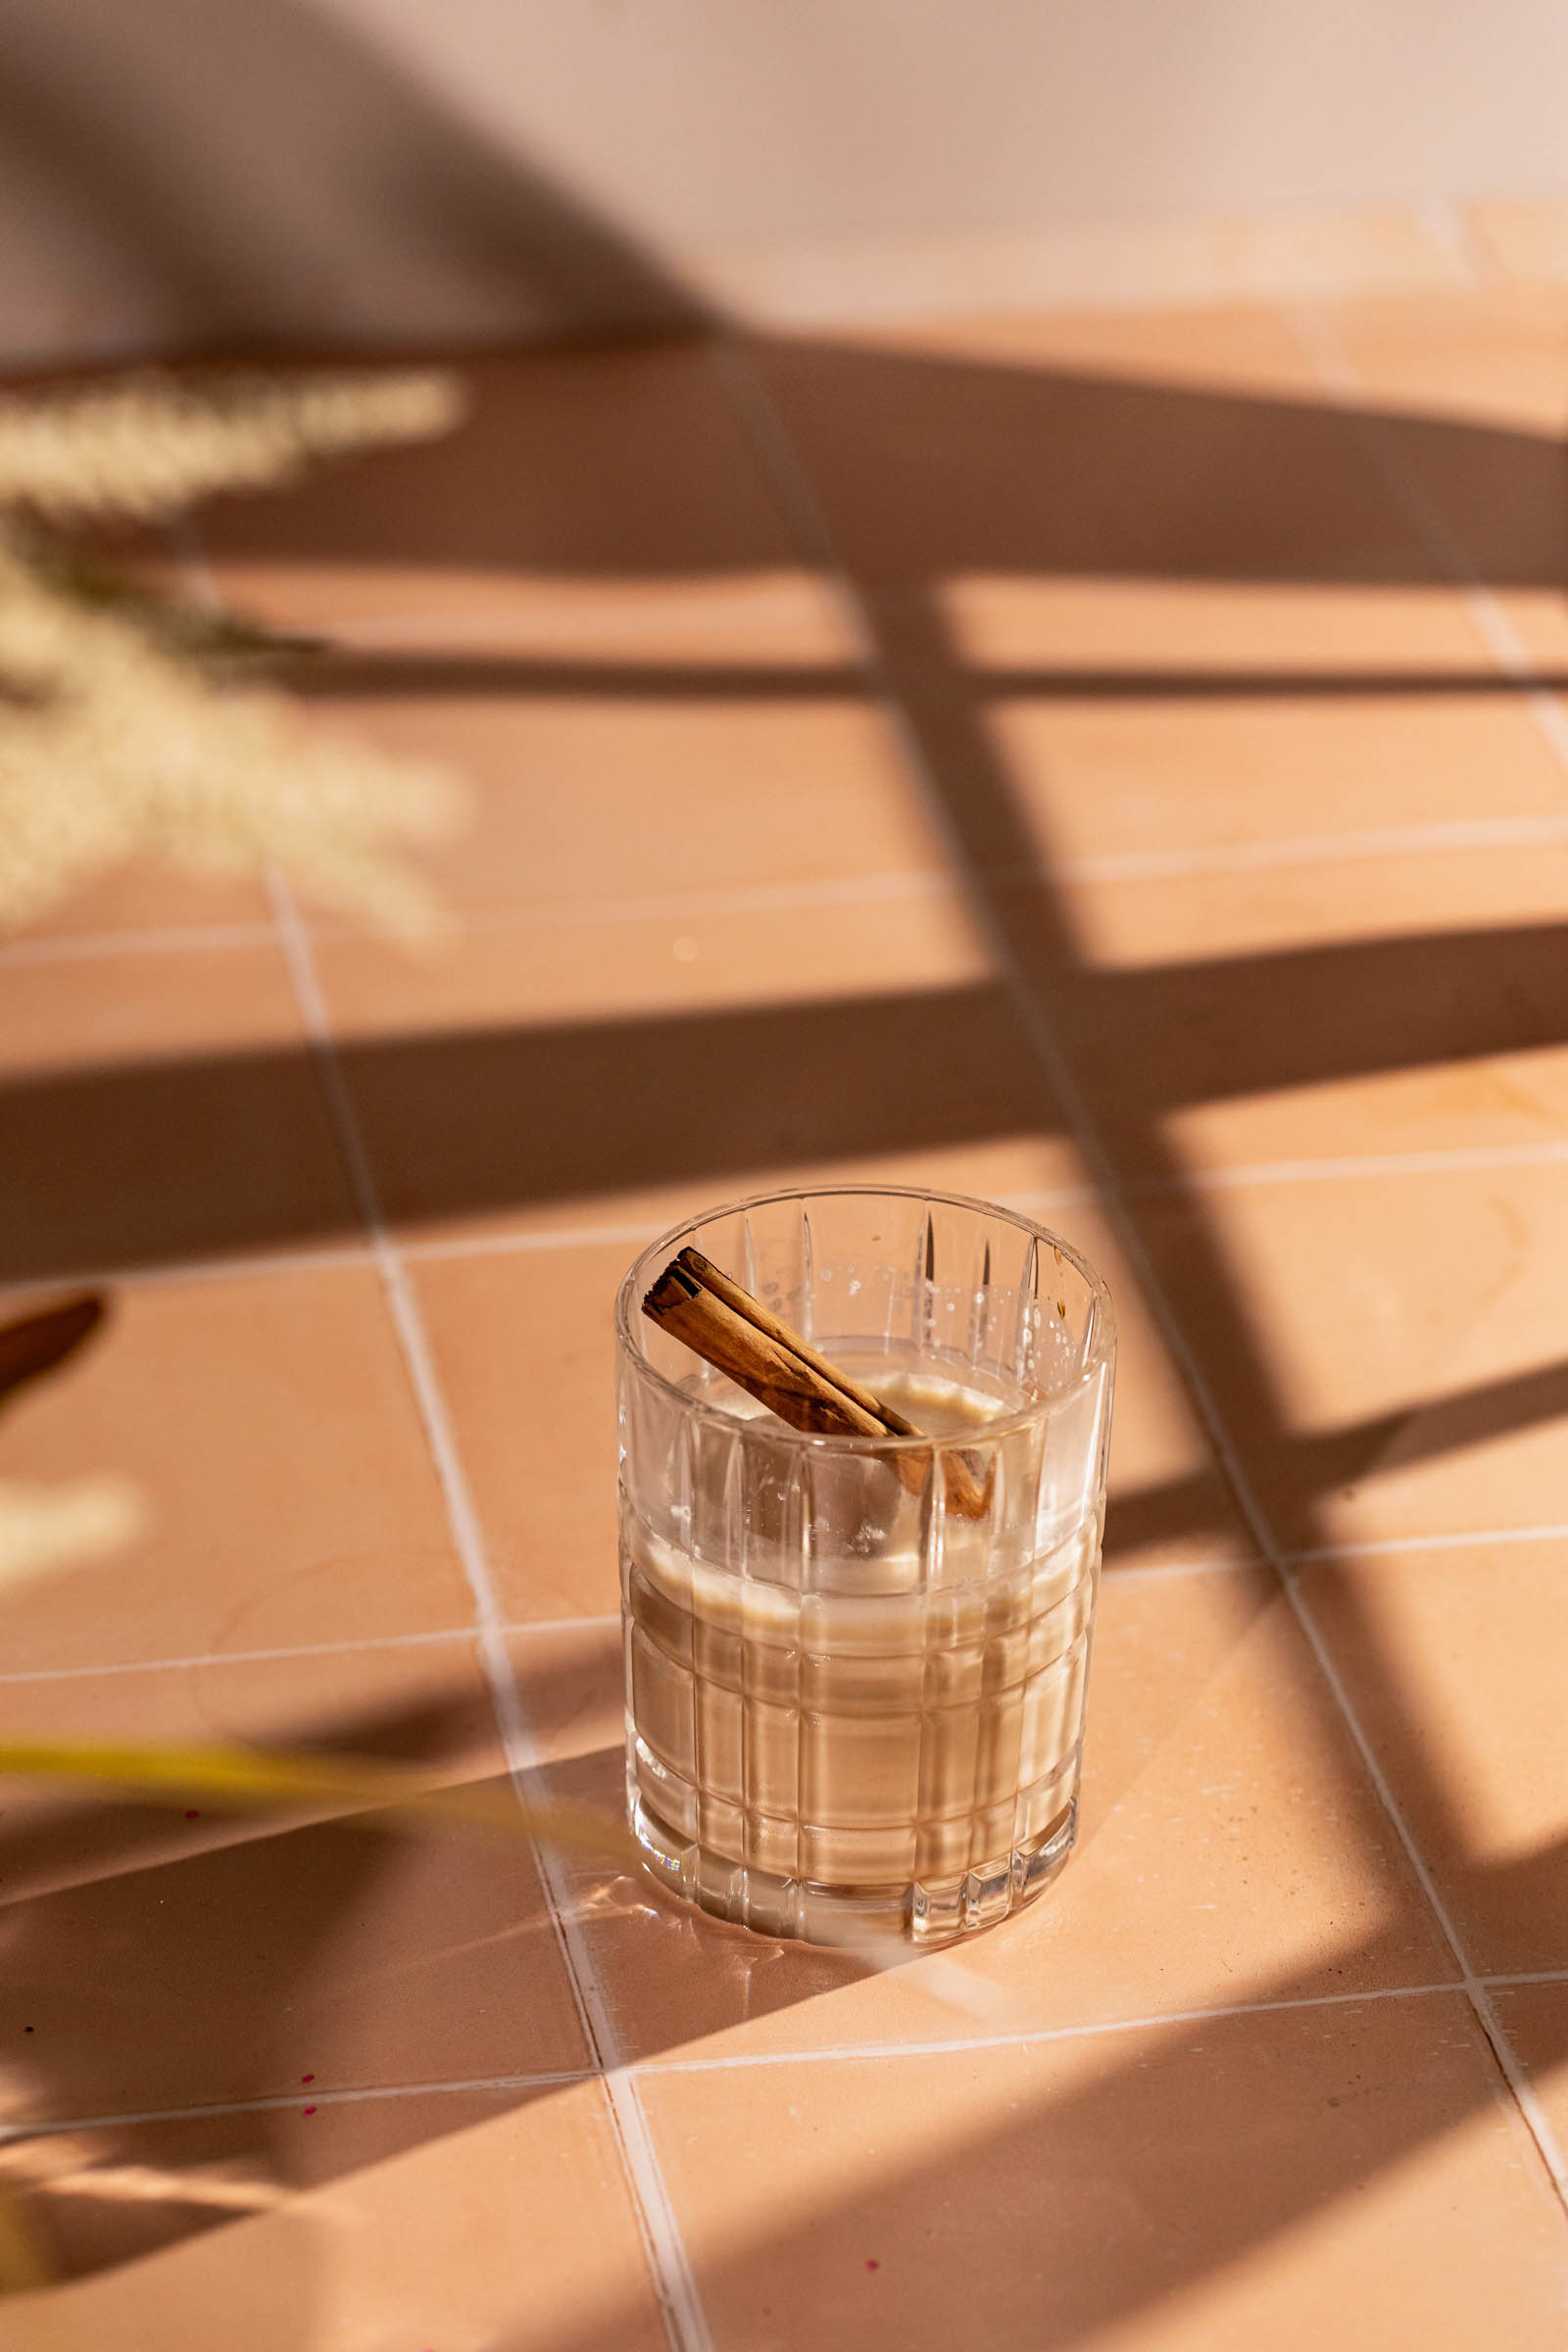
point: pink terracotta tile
(544, 633)
(1471, 882)
(95, 1012)
(1168, 1498)
(638, 960)
(1240, 346)
(142, 898)
(848, 281)
(1328, 2176)
(1491, 355)
(160, 1107)
(1384, 1352)
(608, 467)
(1104, 778)
(1504, 1105)
(1231, 1850)
(456, 2219)
(1526, 238)
(522, 1345)
(1452, 1658)
(1207, 635)
(236, 1463)
(568, 1074)
(1308, 1014)
(576, 799)
(1536, 620)
(1468, 393)
(1133, 449)
(161, 1962)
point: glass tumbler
(855, 1700)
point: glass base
(923, 1916)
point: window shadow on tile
(218, 1155)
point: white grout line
(512, 1627)
(331, 1257)
(526, 1244)
(1377, 1546)
(1281, 852)
(761, 898)
(242, 1658)
(777, 456)
(814, 2054)
(284, 2103)
(1027, 2037)
(1525, 1976)
(1319, 848)
(1348, 1168)
(1165, 1571)
(168, 939)
(669, 2268)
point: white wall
(231, 171)
(692, 119)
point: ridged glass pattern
(846, 1701)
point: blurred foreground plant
(241, 1781)
(237, 1780)
(118, 739)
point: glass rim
(634, 1283)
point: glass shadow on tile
(1231, 1851)
(1341, 2174)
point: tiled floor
(1107, 762)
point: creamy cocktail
(849, 1701)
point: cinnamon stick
(713, 1278)
(728, 1327)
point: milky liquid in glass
(879, 1747)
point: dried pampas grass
(118, 737)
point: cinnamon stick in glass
(719, 1321)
